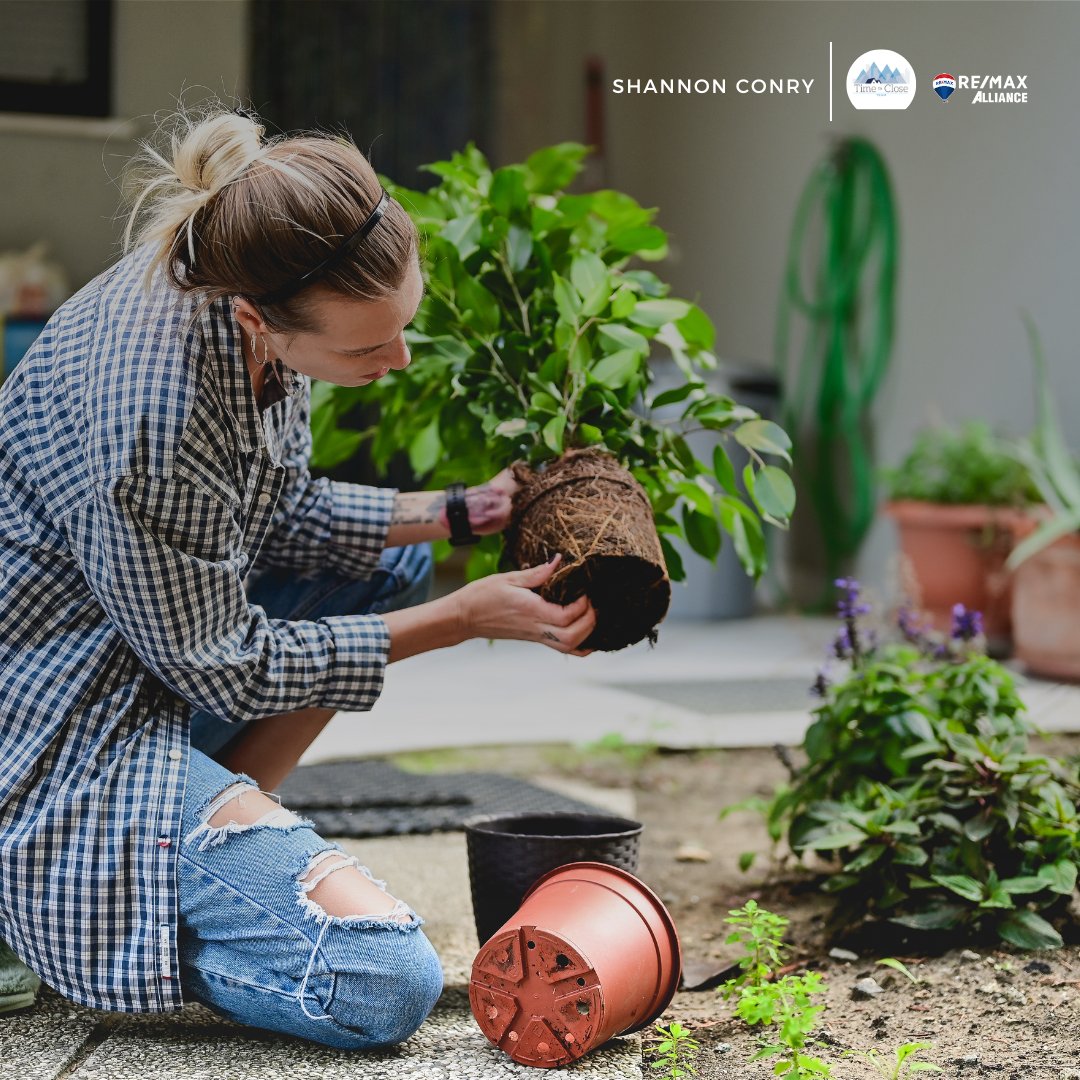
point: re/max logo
(988, 82)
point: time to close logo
(881, 79)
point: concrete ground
(704, 684)
(737, 683)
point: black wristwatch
(457, 514)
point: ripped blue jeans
(254, 946)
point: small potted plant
(1046, 561)
(531, 348)
(955, 499)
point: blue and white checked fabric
(139, 481)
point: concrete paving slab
(40, 1042)
(504, 692)
(196, 1045)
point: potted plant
(955, 499)
(1046, 561)
(531, 347)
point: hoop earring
(255, 355)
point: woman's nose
(403, 357)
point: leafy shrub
(920, 783)
(961, 466)
(534, 337)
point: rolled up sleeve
(319, 521)
(163, 558)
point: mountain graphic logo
(944, 85)
(881, 79)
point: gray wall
(986, 194)
(62, 188)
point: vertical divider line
(830, 82)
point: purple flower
(843, 646)
(849, 606)
(966, 625)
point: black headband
(346, 246)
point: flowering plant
(919, 785)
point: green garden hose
(828, 391)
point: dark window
(55, 57)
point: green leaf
(1059, 877)
(552, 168)
(519, 245)
(425, 448)
(697, 328)
(774, 492)
(1026, 930)
(508, 194)
(567, 299)
(702, 532)
(587, 271)
(640, 238)
(464, 233)
(765, 436)
(746, 860)
(616, 369)
(672, 560)
(472, 296)
(675, 394)
(622, 303)
(553, 432)
(657, 312)
(1016, 886)
(723, 470)
(896, 965)
(938, 917)
(964, 886)
(622, 337)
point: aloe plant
(1052, 467)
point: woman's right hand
(504, 606)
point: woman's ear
(248, 316)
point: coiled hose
(828, 390)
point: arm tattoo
(549, 636)
(409, 511)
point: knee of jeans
(388, 992)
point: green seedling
(675, 1052)
(760, 933)
(787, 1003)
(764, 998)
(890, 961)
(903, 1063)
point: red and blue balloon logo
(944, 85)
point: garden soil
(988, 1010)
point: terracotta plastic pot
(1046, 607)
(508, 854)
(592, 953)
(957, 556)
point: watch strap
(457, 515)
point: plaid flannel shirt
(139, 481)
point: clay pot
(590, 509)
(957, 556)
(508, 854)
(1046, 606)
(592, 953)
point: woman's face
(358, 341)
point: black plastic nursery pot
(507, 855)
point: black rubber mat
(375, 798)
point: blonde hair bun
(228, 212)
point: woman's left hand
(490, 504)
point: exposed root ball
(588, 507)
